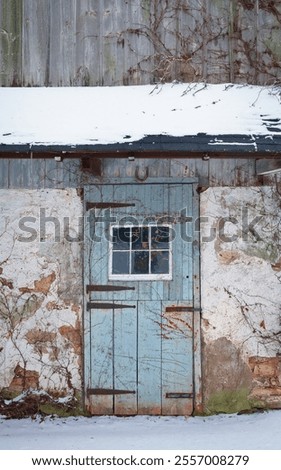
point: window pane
(120, 262)
(159, 262)
(140, 262)
(140, 238)
(160, 237)
(121, 238)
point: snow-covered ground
(259, 431)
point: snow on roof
(106, 115)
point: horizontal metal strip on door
(179, 308)
(107, 305)
(179, 395)
(107, 205)
(108, 391)
(106, 288)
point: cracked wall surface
(41, 290)
(241, 305)
(41, 294)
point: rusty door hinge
(181, 308)
(107, 205)
(108, 391)
(107, 305)
(179, 395)
(106, 288)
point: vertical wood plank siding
(121, 42)
(37, 174)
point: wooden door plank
(187, 240)
(98, 220)
(148, 349)
(149, 357)
(101, 360)
(177, 360)
(175, 206)
(180, 204)
(198, 393)
(125, 360)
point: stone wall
(241, 275)
(41, 295)
(41, 289)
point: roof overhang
(201, 145)
(182, 120)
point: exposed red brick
(277, 265)
(75, 308)
(54, 306)
(26, 290)
(24, 379)
(227, 257)
(264, 367)
(73, 336)
(40, 339)
(6, 283)
(42, 285)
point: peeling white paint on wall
(241, 280)
(41, 290)
(40, 298)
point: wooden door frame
(197, 357)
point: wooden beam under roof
(268, 166)
(157, 146)
(91, 154)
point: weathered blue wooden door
(139, 299)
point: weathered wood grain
(121, 42)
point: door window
(140, 252)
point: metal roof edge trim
(200, 143)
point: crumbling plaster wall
(241, 301)
(41, 294)
(40, 290)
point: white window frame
(140, 277)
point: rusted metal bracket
(108, 391)
(179, 395)
(106, 288)
(180, 308)
(107, 305)
(107, 205)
